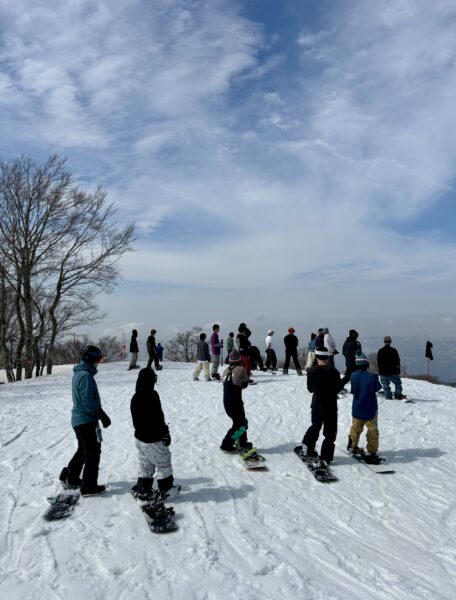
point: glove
(105, 420)
(166, 439)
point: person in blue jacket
(86, 412)
(364, 387)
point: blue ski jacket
(364, 386)
(86, 399)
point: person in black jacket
(323, 381)
(134, 350)
(152, 436)
(151, 350)
(291, 351)
(389, 369)
(350, 348)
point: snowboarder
(271, 358)
(291, 351)
(364, 387)
(389, 369)
(235, 379)
(134, 350)
(151, 351)
(203, 357)
(311, 351)
(323, 381)
(229, 345)
(86, 412)
(350, 348)
(216, 346)
(152, 437)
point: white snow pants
(154, 456)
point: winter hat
(242, 327)
(146, 381)
(291, 329)
(91, 354)
(322, 353)
(234, 356)
(361, 359)
(270, 332)
(325, 330)
(387, 339)
(353, 333)
(320, 330)
(153, 331)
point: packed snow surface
(275, 534)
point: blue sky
(284, 162)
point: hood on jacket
(146, 381)
(85, 366)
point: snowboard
(322, 474)
(159, 517)
(380, 468)
(62, 505)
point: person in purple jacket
(216, 347)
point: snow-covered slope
(250, 535)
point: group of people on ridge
(151, 432)
(154, 351)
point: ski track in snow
(242, 534)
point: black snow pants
(327, 420)
(291, 353)
(87, 455)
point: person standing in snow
(159, 350)
(203, 357)
(86, 412)
(319, 340)
(134, 350)
(244, 347)
(323, 381)
(364, 387)
(350, 348)
(389, 369)
(235, 379)
(291, 351)
(328, 342)
(151, 351)
(229, 345)
(271, 358)
(152, 437)
(216, 346)
(311, 351)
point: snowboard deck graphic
(322, 474)
(61, 505)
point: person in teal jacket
(86, 413)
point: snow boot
(68, 482)
(93, 491)
(307, 453)
(285, 371)
(299, 371)
(195, 378)
(399, 397)
(354, 449)
(372, 459)
(143, 488)
(216, 377)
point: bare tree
(53, 235)
(182, 348)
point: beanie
(387, 339)
(291, 329)
(234, 356)
(361, 359)
(322, 353)
(353, 333)
(270, 332)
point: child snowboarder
(152, 438)
(324, 381)
(235, 379)
(203, 357)
(364, 386)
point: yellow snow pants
(372, 435)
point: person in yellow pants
(364, 387)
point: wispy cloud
(306, 163)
